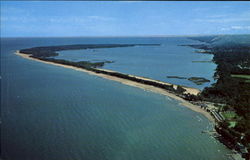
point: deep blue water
(51, 113)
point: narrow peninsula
(181, 93)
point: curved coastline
(147, 87)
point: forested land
(232, 88)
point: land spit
(144, 84)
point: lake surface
(156, 62)
(53, 113)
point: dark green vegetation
(80, 64)
(178, 77)
(232, 88)
(196, 80)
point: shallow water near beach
(50, 112)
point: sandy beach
(135, 84)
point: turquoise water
(156, 62)
(51, 113)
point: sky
(122, 18)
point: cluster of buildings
(220, 118)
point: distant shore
(183, 102)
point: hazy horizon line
(121, 36)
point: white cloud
(217, 16)
(16, 10)
(22, 19)
(226, 18)
(223, 20)
(101, 18)
(130, 1)
(73, 19)
(235, 28)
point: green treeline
(80, 64)
(91, 67)
(232, 91)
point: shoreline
(154, 89)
